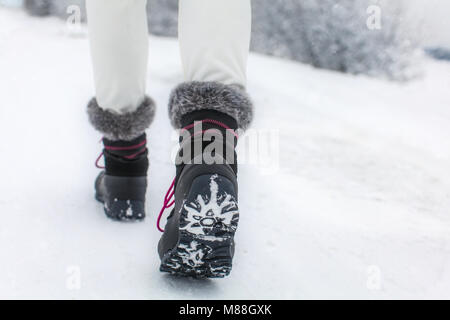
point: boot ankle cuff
(191, 118)
(231, 100)
(127, 126)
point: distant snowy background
(358, 208)
(434, 16)
(301, 29)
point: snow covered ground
(359, 207)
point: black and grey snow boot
(198, 239)
(122, 186)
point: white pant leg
(214, 40)
(118, 34)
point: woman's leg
(121, 111)
(118, 35)
(211, 105)
(214, 40)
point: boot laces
(168, 202)
(127, 148)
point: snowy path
(363, 185)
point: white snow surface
(359, 208)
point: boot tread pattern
(207, 228)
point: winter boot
(198, 239)
(122, 185)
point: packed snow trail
(359, 207)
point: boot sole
(124, 210)
(204, 252)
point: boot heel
(123, 210)
(123, 197)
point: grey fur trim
(194, 96)
(127, 126)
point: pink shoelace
(168, 202)
(130, 157)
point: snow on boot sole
(207, 224)
(123, 198)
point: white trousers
(214, 37)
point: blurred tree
(163, 17)
(359, 37)
(38, 7)
(278, 29)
